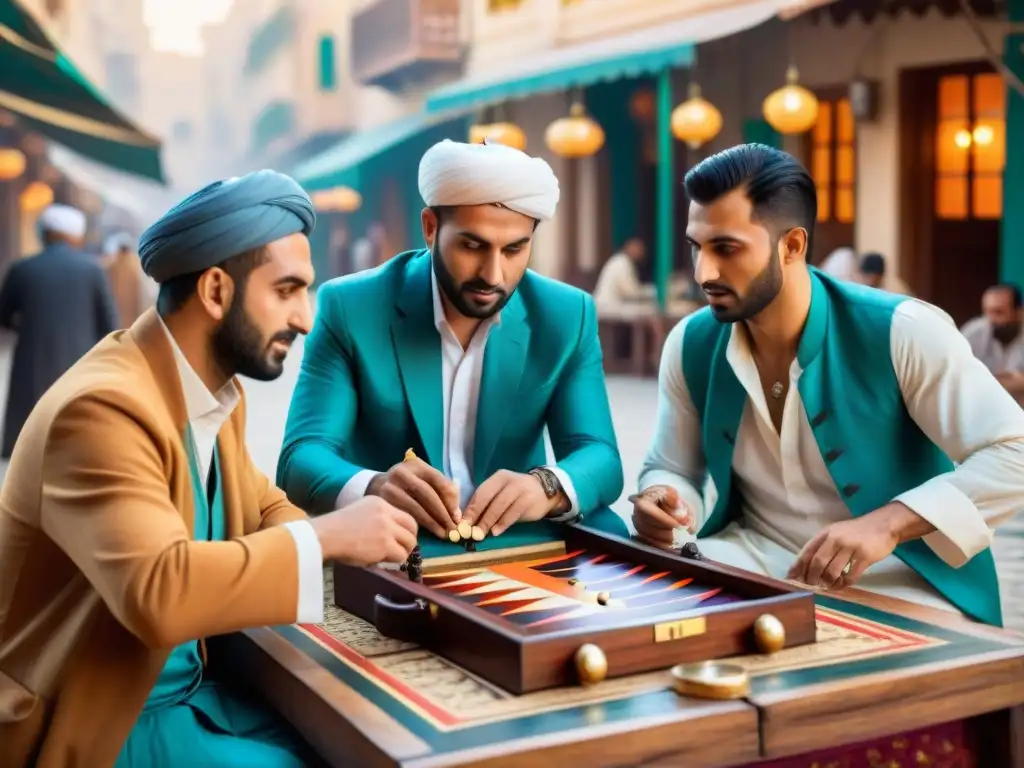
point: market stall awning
(143, 199)
(339, 165)
(632, 55)
(48, 94)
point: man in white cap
(60, 305)
(461, 353)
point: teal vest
(183, 671)
(873, 449)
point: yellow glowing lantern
(337, 200)
(792, 108)
(35, 197)
(12, 163)
(983, 135)
(962, 138)
(696, 121)
(509, 134)
(574, 136)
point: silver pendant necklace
(777, 389)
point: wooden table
(881, 668)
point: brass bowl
(711, 680)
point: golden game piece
(410, 455)
(478, 533)
(573, 582)
(465, 529)
(711, 680)
(769, 634)
(454, 537)
(603, 598)
(591, 664)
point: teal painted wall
(760, 132)
(608, 104)
(1012, 257)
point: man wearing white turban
(59, 303)
(462, 353)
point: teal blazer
(370, 387)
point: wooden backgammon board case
(518, 617)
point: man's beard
(762, 291)
(238, 346)
(454, 292)
(1006, 333)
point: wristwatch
(552, 487)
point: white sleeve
(676, 456)
(311, 572)
(961, 408)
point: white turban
(113, 244)
(63, 220)
(453, 173)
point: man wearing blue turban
(463, 354)
(133, 523)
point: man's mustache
(482, 287)
(710, 287)
(288, 337)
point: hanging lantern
(574, 136)
(337, 200)
(696, 121)
(509, 134)
(35, 197)
(792, 108)
(12, 163)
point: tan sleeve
(106, 503)
(275, 509)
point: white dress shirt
(786, 491)
(206, 414)
(619, 292)
(461, 372)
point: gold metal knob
(591, 664)
(769, 634)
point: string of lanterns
(791, 109)
(337, 200)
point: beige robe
(99, 575)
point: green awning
(636, 54)
(340, 165)
(49, 95)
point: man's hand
(657, 512)
(367, 532)
(860, 542)
(506, 498)
(419, 489)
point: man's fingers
(427, 497)
(481, 499)
(654, 529)
(833, 572)
(856, 571)
(499, 505)
(512, 515)
(395, 554)
(404, 537)
(819, 561)
(799, 568)
(447, 491)
(399, 498)
(655, 516)
(405, 520)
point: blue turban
(223, 220)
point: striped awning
(48, 94)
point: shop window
(970, 141)
(834, 161)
